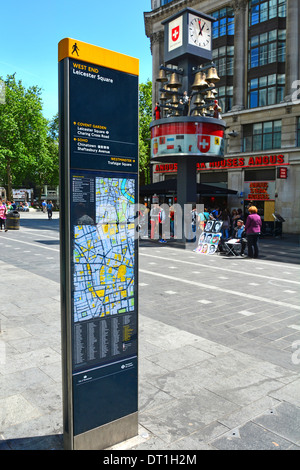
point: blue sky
(31, 30)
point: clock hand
(200, 29)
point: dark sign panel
(102, 134)
(99, 188)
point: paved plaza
(219, 345)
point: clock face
(199, 32)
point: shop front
(265, 181)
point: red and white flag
(203, 143)
(175, 33)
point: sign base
(107, 435)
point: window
(262, 136)
(264, 10)
(224, 24)
(223, 59)
(266, 91)
(224, 97)
(267, 48)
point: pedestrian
(215, 214)
(172, 216)
(203, 217)
(192, 236)
(49, 209)
(225, 217)
(161, 220)
(44, 206)
(253, 228)
(154, 220)
(2, 216)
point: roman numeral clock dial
(199, 32)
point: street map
(104, 253)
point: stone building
(256, 51)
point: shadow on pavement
(48, 242)
(284, 249)
(51, 442)
(39, 224)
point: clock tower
(188, 42)
(189, 129)
(188, 33)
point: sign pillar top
(75, 49)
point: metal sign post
(98, 111)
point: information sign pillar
(98, 113)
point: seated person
(238, 235)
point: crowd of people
(244, 228)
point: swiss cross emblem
(203, 143)
(175, 33)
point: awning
(170, 186)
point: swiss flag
(175, 33)
(203, 143)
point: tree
(25, 147)
(145, 117)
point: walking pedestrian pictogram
(75, 49)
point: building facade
(256, 52)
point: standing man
(49, 209)
(161, 220)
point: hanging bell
(162, 76)
(200, 81)
(203, 112)
(209, 96)
(199, 100)
(163, 97)
(174, 81)
(196, 112)
(212, 75)
(176, 112)
(174, 99)
(168, 91)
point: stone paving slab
(215, 368)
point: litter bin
(12, 220)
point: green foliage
(145, 117)
(28, 150)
